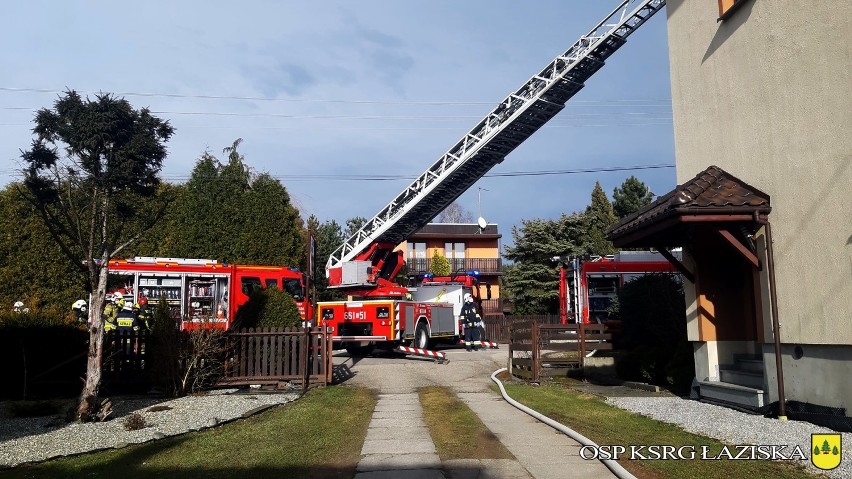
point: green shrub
(269, 307)
(653, 324)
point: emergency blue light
(428, 275)
(473, 272)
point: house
(467, 247)
(762, 103)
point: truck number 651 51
(350, 315)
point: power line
(301, 100)
(353, 177)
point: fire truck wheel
(359, 351)
(421, 336)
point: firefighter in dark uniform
(126, 320)
(471, 320)
(144, 315)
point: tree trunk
(89, 406)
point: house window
(417, 260)
(418, 251)
(726, 7)
(454, 252)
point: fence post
(535, 351)
(511, 353)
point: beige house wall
(767, 96)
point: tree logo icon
(826, 450)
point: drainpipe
(776, 326)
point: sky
(347, 102)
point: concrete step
(749, 364)
(732, 393)
(741, 377)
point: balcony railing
(483, 265)
(492, 306)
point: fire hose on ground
(613, 466)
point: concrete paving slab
(584, 469)
(398, 446)
(413, 422)
(407, 474)
(390, 406)
(396, 433)
(390, 462)
(395, 414)
(539, 448)
(485, 469)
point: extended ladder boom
(514, 120)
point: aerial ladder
(367, 262)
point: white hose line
(613, 466)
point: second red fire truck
(203, 291)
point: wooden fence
(123, 365)
(276, 355)
(538, 348)
(496, 328)
(251, 356)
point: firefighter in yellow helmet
(111, 311)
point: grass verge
(457, 432)
(609, 425)
(320, 435)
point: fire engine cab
(428, 315)
(203, 291)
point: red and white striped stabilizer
(484, 344)
(422, 352)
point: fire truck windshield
(293, 287)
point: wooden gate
(278, 355)
(539, 348)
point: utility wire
(299, 100)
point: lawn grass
(319, 435)
(457, 432)
(608, 425)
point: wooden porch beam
(677, 264)
(741, 248)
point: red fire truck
(425, 316)
(367, 262)
(587, 287)
(203, 290)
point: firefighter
(126, 319)
(472, 320)
(81, 310)
(144, 315)
(111, 311)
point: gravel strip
(735, 427)
(25, 440)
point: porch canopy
(714, 202)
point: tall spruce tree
(599, 217)
(88, 196)
(632, 195)
(229, 213)
(328, 236)
(532, 281)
